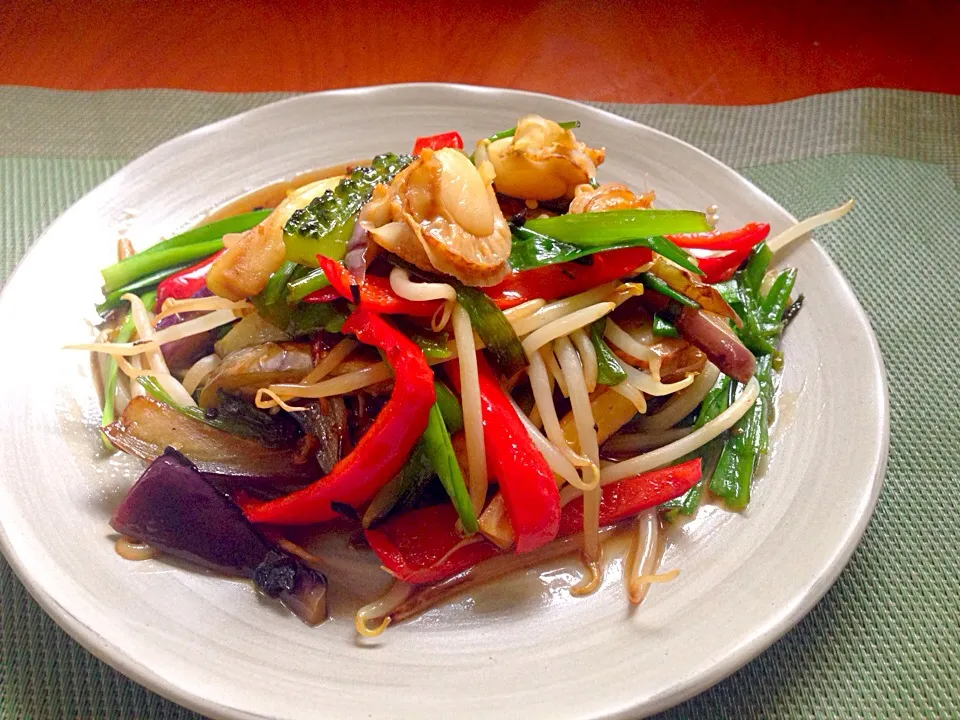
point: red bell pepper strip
(634, 495)
(382, 450)
(340, 278)
(186, 283)
(375, 293)
(563, 279)
(526, 481)
(420, 546)
(450, 139)
(720, 268)
(548, 282)
(739, 239)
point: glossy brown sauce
(540, 574)
(130, 549)
(271, 195)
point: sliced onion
(199, 371)
(628, 343)
(244, 371)
(251, 330)
(340, 385)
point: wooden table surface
(723, 52)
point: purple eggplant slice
(175, 509)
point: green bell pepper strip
(729, 290)
(449, 407)
(403, 489)
(435, 346)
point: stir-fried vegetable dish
(473, 360)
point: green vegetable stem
(181, 249)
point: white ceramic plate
(521, 648)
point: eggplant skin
(176, 510)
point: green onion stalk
(181, 249)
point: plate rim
(781, 622)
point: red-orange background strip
(724, 52)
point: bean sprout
(644, 555)
(588, 356)
(472, 415)
(587, 436)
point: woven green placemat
(885, 641)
